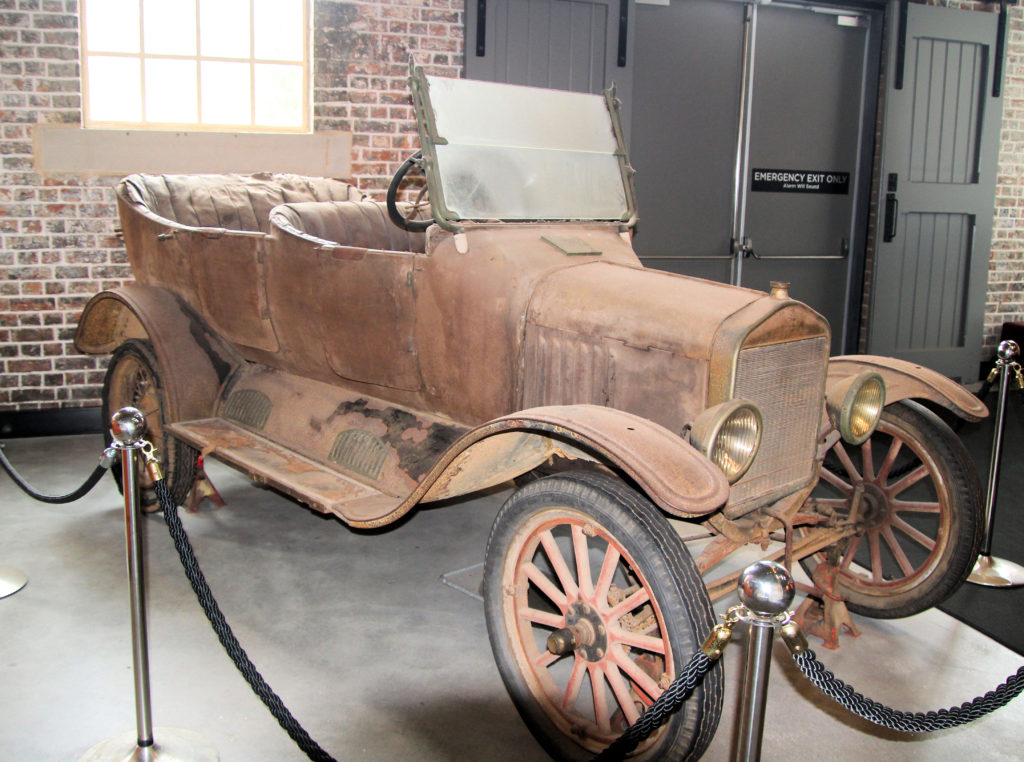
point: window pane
(224, 28)
(225, 93)
(171, 91)
(115, 89)
(277, 30)
(169, 27)
(112, 26)
(279, 95)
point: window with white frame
(231, 65)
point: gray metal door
(580, 45)
(941, 139)
(687, 102)
(802, 203)
(750, 156)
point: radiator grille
(787, 382)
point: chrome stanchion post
(127, 426)
(766, 589)
(990, 571)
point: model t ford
(366, 357)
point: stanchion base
(171, 745)
(11, 580)
(996, 572)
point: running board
(305, 479)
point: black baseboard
(50, 422)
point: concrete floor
(375, 656)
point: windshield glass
(509, 152)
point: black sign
(800, 181)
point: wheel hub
(874, 506)
(584, 632)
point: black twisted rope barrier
(105, 462)
(224, 633)
(658, 712)
(909, 722)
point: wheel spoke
(908, 481)
(545, 660)
(545, 618)
(602, 713)
(913, 533)
(851, 551)
(644, 681)
(836, 481)
(639, 598)
(572, 688)
(897, 551)
(545, 585)
(887, 464)
(604, 579)
(844, 458)
(579, 546)
(621, 691)
(636, 640)
(876, 558)
(867, 460)
(916, 507)
(558, 563)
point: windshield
(507, 152)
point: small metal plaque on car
(571, 245)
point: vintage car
(365, 360)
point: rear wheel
(133, 380)
(919, 511)
(593, 607)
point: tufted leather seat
(231, 202)
(360, 224)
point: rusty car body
(366, 357)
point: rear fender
(672, 473)
(907, 380)
(194, 361)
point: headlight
(855, 405)
(729, 435)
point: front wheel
(918, 510)
(593, 607)
(133, 380)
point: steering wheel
(403, 221)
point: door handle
(997, 74)
(892, 208)
(623, 30)
(748, 251)
(481, 28)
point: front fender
(672, 473)
(907, 380)
(194, 361)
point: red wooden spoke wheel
(914, 497)
(593, 604)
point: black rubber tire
(949, 481)
(133, 379)
(601, 507)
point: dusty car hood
(641, 308)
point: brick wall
(57, 246)
(57, 243)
